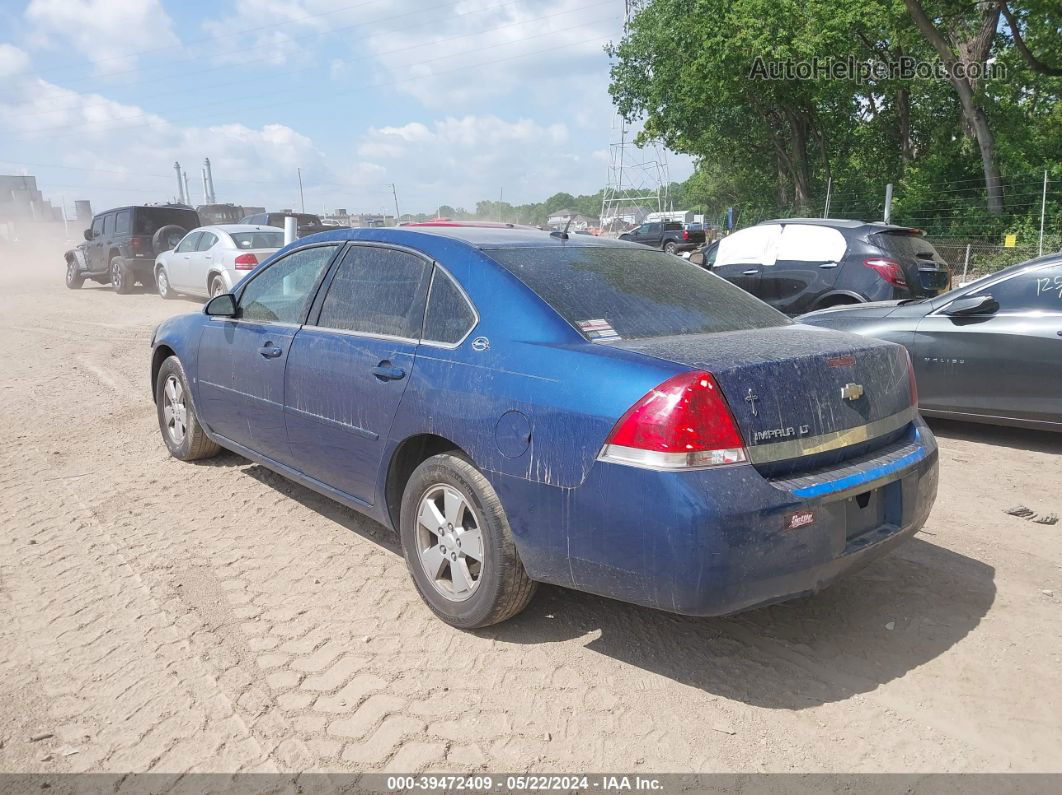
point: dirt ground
(163, 616)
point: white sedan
(210, 260)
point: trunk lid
(802, 397)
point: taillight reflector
(246, 262)
(888, 269)
(683, 423)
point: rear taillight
(685, 234)
(912, 383)
(683, 423)
(246, 262)
(136, 244)
(888, 269)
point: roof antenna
(562, 235)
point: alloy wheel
(116, 277)
(175, 410)
(162, 282)
(450, 542)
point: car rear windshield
(150, 219)
(634, 293)
(907, 244)
(258, 239)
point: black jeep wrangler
(122, 244)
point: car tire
(181, 431)
(74, 279)
(217, 287)
(162, 284)
(121, 278)
(481, 592)
(670, 247)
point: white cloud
(104, 31)
(13, 61)
(482, 49)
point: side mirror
(223, 305)
(88, 234)
(972, 305)
(697, 257)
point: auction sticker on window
(598, 329)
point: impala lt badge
(852, 391)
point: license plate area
(864, 512)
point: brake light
(137, 245)
(911, 382)
(683, 423)
(685, 234)
(888, 269)
(246, 262)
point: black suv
(121, 245)
(799, 265)
(306, 223)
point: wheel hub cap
(449, 542)
(174, 410)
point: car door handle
(828, 265)
(386, 371)
(270, 351)
(752, 272)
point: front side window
(756, 245)
(635, 293)
(188, 242)
(1037, 290)
(449, 317)
(207, 241)
(377, 291)
(108, 225)
(97, 226)
(282, 292)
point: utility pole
(302, 197)
(394, 192)
(180, 184)
(888, 203)
(1043, 210)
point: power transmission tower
(637, 176)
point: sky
(449, 102)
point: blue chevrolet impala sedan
(525, 407)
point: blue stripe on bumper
(833, 486)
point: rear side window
(377, 291)
(634, 293)
(188, 243)
(123, 223)
(207, 241)
(807, 243)
(673, 227)
(449, 317)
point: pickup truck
(306, 223)
(669, 236)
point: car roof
(230, 228)
(484, 238)
(839, 223)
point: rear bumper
(720, 541)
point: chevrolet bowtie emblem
(852, 391)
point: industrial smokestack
(180, 183)
(209, 182)
(187, 190)
(206, 188)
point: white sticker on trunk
(598, 329)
